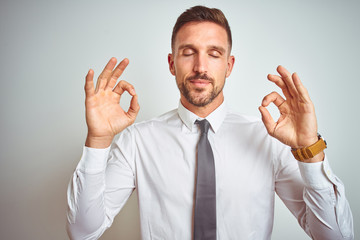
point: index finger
(123, 86)
(280, 83)
(118, 71)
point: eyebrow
(217, 48)
(186, 46)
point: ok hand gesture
(297, 125)
(104, 116)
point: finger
(280, 83)
(117, 73)
(105, 74)
(286, 76)
(124, 86)
(303, 93)
(267, 119)
(273, 97)
(89, 84)
(134, 107)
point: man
(229, 194)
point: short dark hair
(201, 14)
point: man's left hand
(296, 126)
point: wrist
(317, 158)
(308, 142)
(312, 153)
(98, 142)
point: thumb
(267, 120)
(134, 107)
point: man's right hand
(104, 116)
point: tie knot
(204, 126)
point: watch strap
(310, 151)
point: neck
(205, 110)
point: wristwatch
(310, 151)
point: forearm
(86, 212)
(101, 185)
(86, 191)
(327, 212)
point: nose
(200, 63)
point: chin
(200, 101)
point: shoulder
(252, 130)
(170, 117)
(246, 128)
(166, 120)
(233, 117)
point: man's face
(201, 62)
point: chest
(166, 164)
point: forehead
(201, 34)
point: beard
(199, 97)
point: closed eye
(188, 52)
(215, 53)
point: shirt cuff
(93, 160)
(317, 175)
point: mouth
(200, 83)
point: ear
(171, 63)
(230, 63)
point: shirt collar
(216, 118)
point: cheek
(219, 71)
(182, 68)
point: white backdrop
(47, 47)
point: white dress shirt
(158, 158)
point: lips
(199, 82)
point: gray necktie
(205, 200)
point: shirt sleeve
(100, 186)
(315, 196)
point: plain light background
(47, 47)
